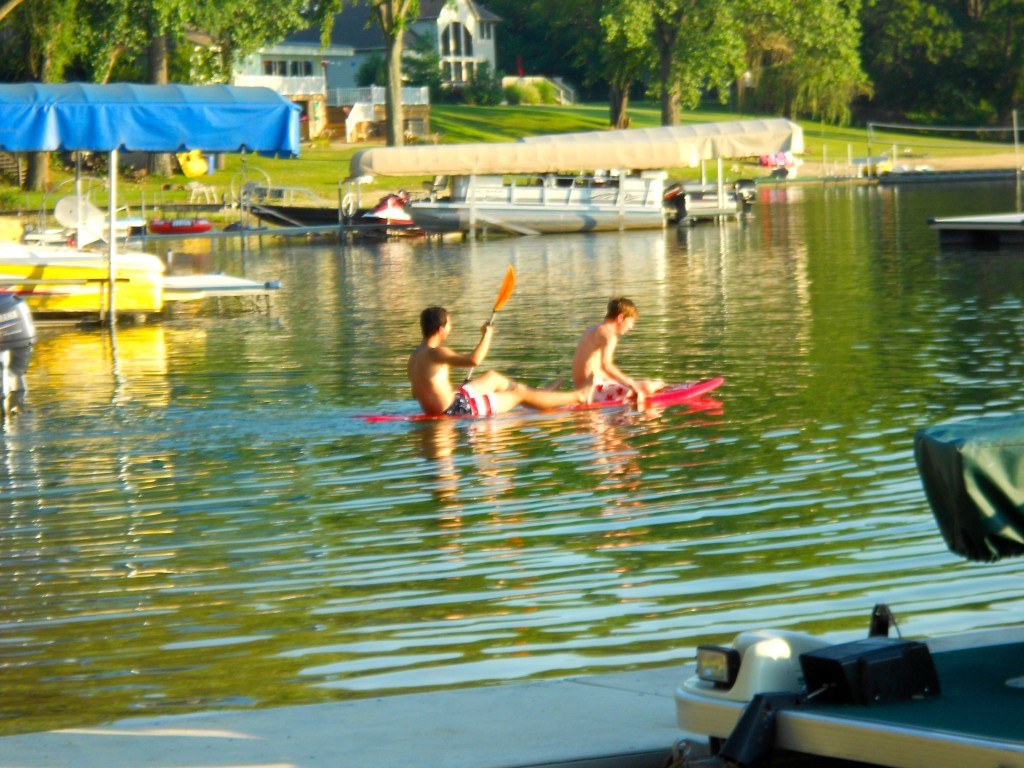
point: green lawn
(321, 167)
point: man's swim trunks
(610, 391)
(466, 403)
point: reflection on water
(196, 517)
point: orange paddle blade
(507, 286)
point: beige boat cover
(735, 138)
(637, 149)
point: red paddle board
(680, 393)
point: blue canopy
(37, 117)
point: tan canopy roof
(736, 138)
(635, 150)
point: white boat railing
(560, 190)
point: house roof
(355, 28)
(431, 9)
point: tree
(803, 56)
(945, 60)
(393, 17)
(422, 66)
(903, 46)
(993, 53)
(626, 54)
(7, 7)
(46, 31)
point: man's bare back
(595, 353)
(429, 370)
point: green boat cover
(973, 476)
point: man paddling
(595, 357)
(430, 364)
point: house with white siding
(324, 78)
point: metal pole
(1016, 155)
(111, 237)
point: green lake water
(195, 517)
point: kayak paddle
(504, 294)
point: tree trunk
(619, 106)
(665, 40)
(393, 94)
(159, 164)
(37, 175)
(670, 110)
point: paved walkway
(608, 721)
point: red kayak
(681, 393)
(179, 226)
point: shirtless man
(431, 362)
(595, 357)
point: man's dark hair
(432, 319)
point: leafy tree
(393, 17)
(372, 71)
(903, 47)
(699, 47)
(803, 56)
(7, 7)
(422, 66)
(993, 53)
(44, 32)
(945, 60)
(626, 55)
(240, 27)
(484, 87)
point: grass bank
(321, 166)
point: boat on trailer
(884, 700)
(585, 182)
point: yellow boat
(64, 280)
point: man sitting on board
(486, 395)
(595, 357)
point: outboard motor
(17, 335)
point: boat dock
(621, 720)
(198, 287)
(990, 231)
(944, 177)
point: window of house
(446, 68)
(446, 43)
(458, 72)
(268, 67)
(281, 68)
(468, 42)
(296, 69)
(307, 68)
(485, 30)
(456, 29)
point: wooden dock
(991, 231)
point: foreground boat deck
(607, 721)
(976, 720)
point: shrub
(547, 92)
(522, 94)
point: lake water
(195, 516)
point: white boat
(603, 180)
(946, 702)
(548, 203)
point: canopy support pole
(111, 237)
